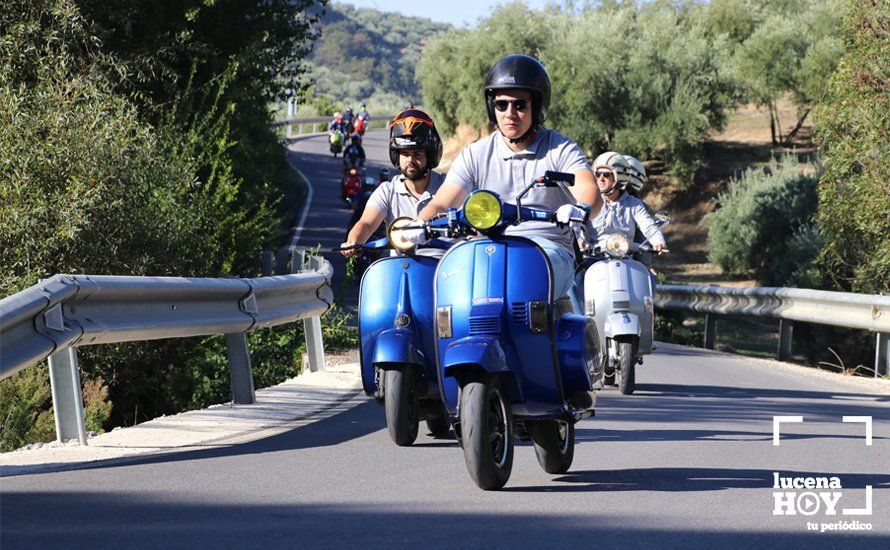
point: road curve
(325, 223)
(687, 461)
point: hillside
(367, 54)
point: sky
(462, 13)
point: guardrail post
(290, 131)
(786, 330)
(267, 259)
(300, 129)
(710, 330)
(64, 379)
(312, 325)
(314, 127)
(882, 354)
(240, 373)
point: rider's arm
(647, 225)
(586, 191)
(457, 185)
(450, 195)
(366, 225)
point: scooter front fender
(471, 356)
(622, 324)
(474, 352)
(397, 345)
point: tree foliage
(763, 226)
(853, 123)
(644, 80)
(365, 54)
(792, 49)
(136, 145)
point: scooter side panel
(393, 285)
(572, 353)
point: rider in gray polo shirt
(415, 149)
(517, 95)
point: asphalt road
(688, 461)
(328, 216)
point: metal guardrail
(51, 319)
(299, 123)
(842, 309)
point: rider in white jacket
(622, 212)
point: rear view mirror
(552, 177)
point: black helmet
(356, 138)
(521, 72)
(414, 129)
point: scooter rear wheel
(627, 362)
(487, 432)
(401, 406)
(554, 445)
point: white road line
(306, 205)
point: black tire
(439, 426)
(554, 445)
(401, 406)
(627, 362)
(487, 433)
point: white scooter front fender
(622, 324)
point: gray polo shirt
(393, 199)
(490, 164)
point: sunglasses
(518, 104)
(604, 174)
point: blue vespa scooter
(396, 332)
(514, 360)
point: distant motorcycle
(620, 291)
(351, 184)
(360, 126)
(336, 140)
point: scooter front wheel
(401, 406)
(554, 445)
(487, 432)
(627, 363)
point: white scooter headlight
(395, 236)
(617, 245)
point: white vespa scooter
(618, 294)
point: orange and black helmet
(414, 129)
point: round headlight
(617, 245)
(395, 236)
(482, 210)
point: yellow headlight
(482, 210)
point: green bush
(853, 123)
(762, 227)
(116, 159)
